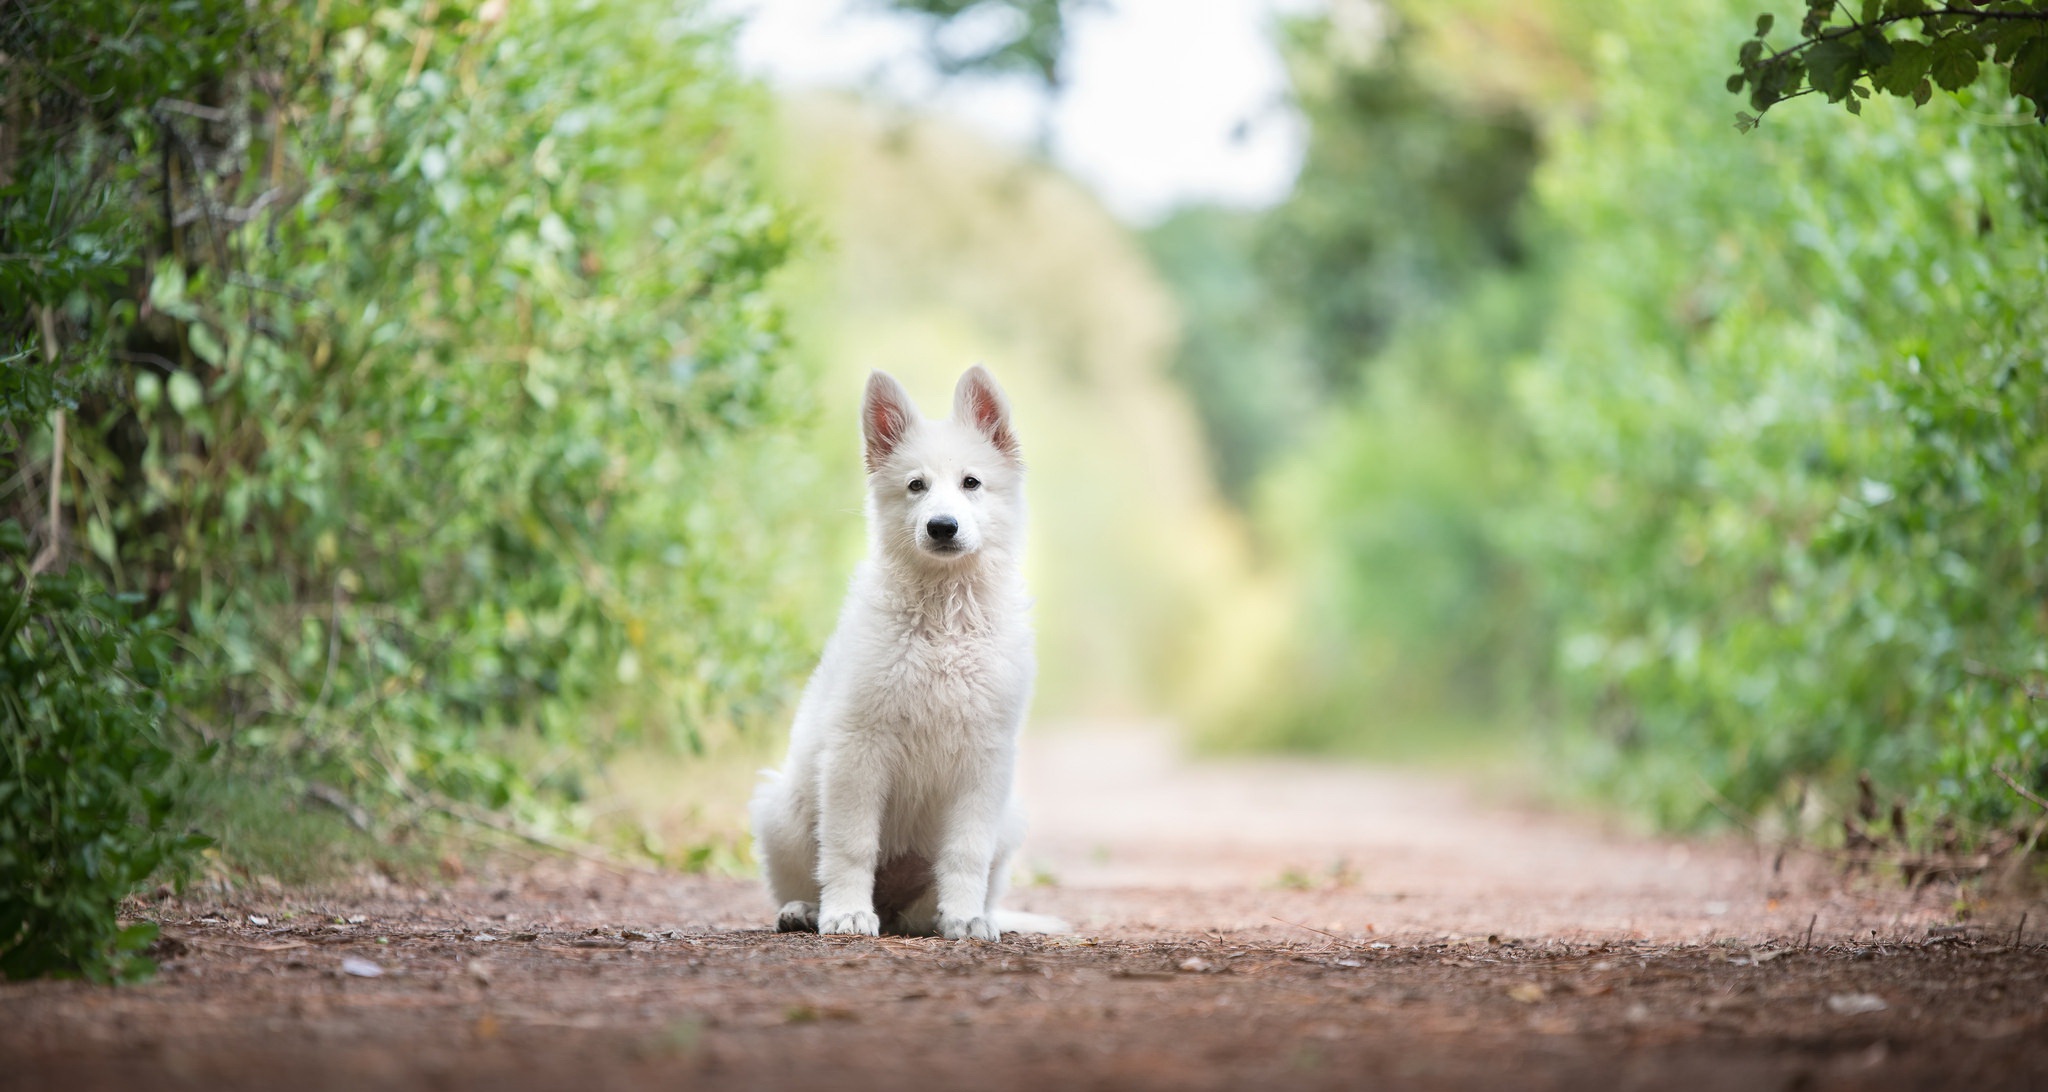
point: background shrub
(413, 366)
(1736, 478)
(88, 783)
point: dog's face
(943, 492)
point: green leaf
(1763, 24)
(2030, 72)
(1955, 64)
(186, 394)
(101, 540)
(204, 345)
(1832, 67)
(1907, 67)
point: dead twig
(47, 556)
(1310, 928)
(580, 850)
(358, 817)
(2025, 793)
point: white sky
(1167, 101)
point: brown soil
(1240, 925)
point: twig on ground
(1310, 928)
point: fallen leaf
(357, 919)
(1852, 1004)
(1196, 965)
(483, 937)
(258, 919)
(361, 968)
(1527, 993)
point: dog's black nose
(942, 528)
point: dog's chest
(954, 675)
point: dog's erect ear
(979, 402)
(886, 414)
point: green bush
(91, 784)
(1743, 482)
(421, 376)
(1791, 413)
(87, 782)
(466, 442)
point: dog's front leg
(973, 827)
(850, 800)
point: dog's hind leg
(797, 917)
(787, 847)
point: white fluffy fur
(894, 809)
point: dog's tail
(1023, 921)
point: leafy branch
(1905, 48)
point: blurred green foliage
(421, 376)
(1904, 48)
(1405, 196)
(1792, 412)
(1740, 477)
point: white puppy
(894, 808)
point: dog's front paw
(852, 923)
(958, 928)
(797, 917)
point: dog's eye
(970, 482)
(917, 485)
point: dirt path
(1240, 926)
